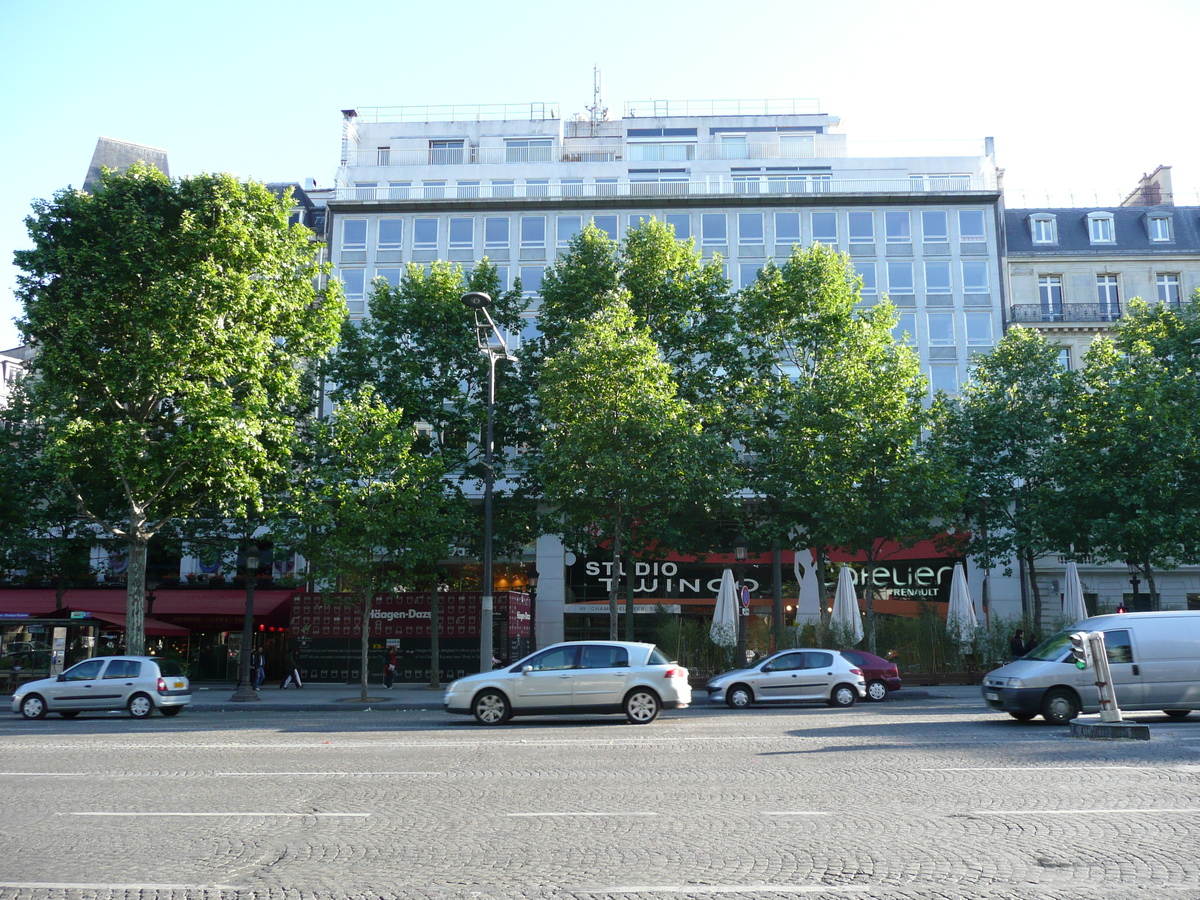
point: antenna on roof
(597, 112)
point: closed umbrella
(845, 607)
(1074, 609)
(725, 617)
(960, 619)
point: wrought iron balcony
(1066, 313)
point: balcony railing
(681, 188)
(1066, 313)
(796, 106)
(535, 111)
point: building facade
(746, 180)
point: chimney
(1153, 190)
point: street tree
(370, 509)
(624, 459)
(172, 322)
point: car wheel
(33, 707)
(491, 708)
(1060, 706)
(171, 710)
(140, 706)
(1022, 716)
(70, 714)
(877, 691)
(641, 706)
(739, 696)
(843, 695)
(1177, 713)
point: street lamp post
(740, 548)
(1134, 582)
(245, 691)
(492, 345)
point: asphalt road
(925, 798)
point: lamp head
(476, 300)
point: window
(502, 187)
(537, 187)
(734, 146)
(607, 224)
(602, 656)
(398, 190)
(1064, 358)
(354, 283)
(445, 153)
(1100, 228)
(682, 223)
(798, 145)
(390, 275)
(824, 227)
(979, 329)
(651, 151)
(746, 184)
(425, 234)
(900, 276)
(528, 150)
(555, 658)
(866, 270)
(971, 225)
(906, 327)
(939, 182)
(533, 231)
(572, 187)
(862, 227)
(975, 276)
(354, 234)
(364, 190)
(85, 671)
(1159, 228)
(935, 225)
(467, 190)
(748, 271)
(434, 190)
(391, 234)
(787, 227)
(941, 328)
(712, 229)
(1168, 290)
(383, 156)
(1043, 229)
(123, 668)
(944, 379)
(897, 227)
(1108, 298)
(495, 232)
(531, 279)
(937, 276)
(462, 233)
(750, 228)
(566, 228)
(1051, 295)
(606, 187)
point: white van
(1155, 662)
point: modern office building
(747, 180)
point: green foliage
(172, 320)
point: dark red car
(881, 675)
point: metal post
(740, 549)
(1109, 711)
(245, 691)
(485, 616)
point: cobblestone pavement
(933, 798)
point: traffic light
(1081, 651)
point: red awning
(155, 627)
(197, 609)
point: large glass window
(897, 226)
(866, 270)
(944, 379)
(906, 327)
(734, 146)
(862, 227)
(900, 276)
(1051, 294)
(607, 224)
(1108, 297)
(391, 234)
(531, 279)
(1168, 290)
(979, 329)
(533, 231)
(824, 227)
(975, 276)
(971, 225)
(748, 271)
(528, 150)
(937, 276)
(495, 232)
(462, 233)
(935, 225)
(712, 229)
(391, 275)
(566, 229)
(354, 234)
(941, 328)
(682, 223)
(787, 227)
(425, 234)
(750, 228)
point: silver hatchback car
(140, 684)
(791, 675)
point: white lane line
(725, 889)
(217, 774)
(558, 815)
(1078, 768)
(268, 815)
(320, 774)
(92, 886)
(1082, 812)
(796, 812)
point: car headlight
(1016, 683)
(452, 688)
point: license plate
(991, 695)
(179, 684)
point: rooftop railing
(535, 111)
(777, 185)
(796, 106)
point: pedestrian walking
(258, 668)
(389, 669)
(291, 666)
(1016, 644)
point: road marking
(726, 889)
(1077, 768)
(796, 812)
(1081, 812)
(319, 774)
(90, 886)
(216, 774)
(216, 815)
(539, 815)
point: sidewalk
(214, 697)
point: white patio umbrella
(960, 618)
(1074, 609)
(725, 617)
(845, 606)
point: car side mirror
(767, 669)
(61, 677)
(525, 670)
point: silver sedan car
(791, 675)
(140, 684)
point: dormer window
(1159, 228)
(1100, 228)
(1044, 229)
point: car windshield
(1051, 649)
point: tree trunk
(434, 626)
(777, 606)
(368, 602)
(822, 610)
(135, 596)
(629, 570)
(613, 583)
(869, 594)
(1150, 585)
(1037, 592)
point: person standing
(389, 669)
(1016, 644)
(258, 668)
(291, 666)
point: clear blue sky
(1079, 96)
